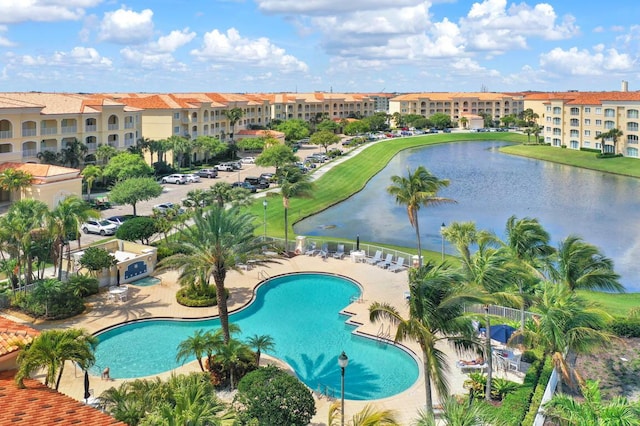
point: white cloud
(125, 26)
(5, 42)
(583, 62)
(330, 7)
(230, 47)
(15, 11)
(78, 56)
(173, 41)
(158, 54)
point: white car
(164, 207)
(248, 160)
(102, 227)
(224, 167)
(178, 178)
(191, 178)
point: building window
(556, 142)
(598, 145)
(632, 152)
(548, 108)
(176, 130)
(587, 132)
(557, 110)
(632, 139)
(586, 144)
(632, 126)
(556, 131)
(587, 122)
(608, 124)
(557, 121)
(574, 122)
(573, 144)
(574, 134)
(598, 110)
(587, 110)
(598, 122)
(632, 113)
(176, 116)
(575, 111)
(609, 112)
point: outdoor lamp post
(264, 204)
(343, 361)
(442, 236)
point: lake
(489, 187)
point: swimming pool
(301, 312)
(146, 281)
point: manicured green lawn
(587, 160)
(615, 304)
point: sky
(265, 46)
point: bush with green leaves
(188, 296)
(95, 259)
(626, 327)
(270, 396)
(140, 228)
(83, 285)
(50, 299)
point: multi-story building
(314, 107)
(574, 119)
(458, 105)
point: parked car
(176, 178)
(267, 176)
(244, 185)
(119, 220)
(102, 227)
(208, 173)
(164, 207)
(224, 167)
(257, 182)
(248, 160)
(446, 130)
(237, 165)
(192, 178)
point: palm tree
(260, 344)
(419, 188)
(593, 410)
(64, 221)
(613, 134)
(73, 153)
(51, 349)
(293, 183)
(196, 345)
(582, 266)
(565, 322)
(368, 416)
(464, 121)
(456, 414)
(462, 235)
(90, 173)
(13, 181)
(233, 115)
(435, 315)
(216, 243)
(125, 403)
(181, 148)
(105, 152)
(230, 354)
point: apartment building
(458, 104)
(313, 107)
(574, 119)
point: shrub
(625, 327)
(539, 392)
(501, 387)
(198, 298)
(140, 228)
(51, 299)
(84, 285)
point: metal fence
(500, 311)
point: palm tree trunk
(59, 375)
(218, 277)
(427, 385)
(487, 355)
(419, 242)
(286, 231)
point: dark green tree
(127, 165)
(95, 259)
(132, 191)
(137, 229)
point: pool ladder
(263, 275)
(325, 391)
(384, 334)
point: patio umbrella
(87, 393)
(501, 332)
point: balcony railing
(90, 128)
(28, 132)
(128, 125)
(113, 126)
(92, 146)
(128, 142)
(6, 134)
(49, 130)
(69, 129)
(26, 153)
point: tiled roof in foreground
(13, 334)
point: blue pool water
(301, 313)
(146, 281)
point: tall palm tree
(462, 235)
(565, 322)
(613, 134)
(195, 345)
(293, 183)
(13, 181)
(261, 343)
(64, 221)
(527, 244)
(73, 153)
(233, 115)
(593, 410)
(582, 266)
(368, 416)
(105, 152)
(51, 349)
(90, 173)
(436, 315)
(230, 354)
(218, 240)
(181, 148)
(419, 188)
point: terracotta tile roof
(12, 334)
(146, 102)
(38, 170)
(584, 98)
(38, 405)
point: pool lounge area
(158, 301)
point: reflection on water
(489, 187)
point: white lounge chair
(312, 250)
(469, 368)
(339, 254)
(398, 266)
(375, 259)
(324, 251)
(386, 262)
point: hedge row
(625, 327)
(539, 392)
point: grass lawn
(587, 160)
(615, 304)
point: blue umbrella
(501, 332)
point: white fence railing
(500, 311)
(548, 394)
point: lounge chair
(324, 251)
(375, 259)
(398, 266)
(469, 368)
(312, 250)
(339, 254)
(386, 262)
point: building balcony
(48, 130)
(29, 132)
(113, 127)
(28, 153)
(69, 129)
(128, 125)
(90, 128)
(92, 146)
(128, 142)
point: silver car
(102, 227)
(192, 178)
(176, 178)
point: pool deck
(159, 301)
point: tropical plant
(216, 243)
(13, 180)
(181, 148)
(570, 411)
(90, 173)
(196, 345)
(293, 183)
(95, 259)
(368, 416)
(134, 190)
(436, 315)
(73, 153)
(104, 153)
(125, 166)
(232, 353)
(261, 343)
(419, 188)
(233, 115)
(324, 138)
(613, 135)
(277, 156)
(51, 349)
(454, 413)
